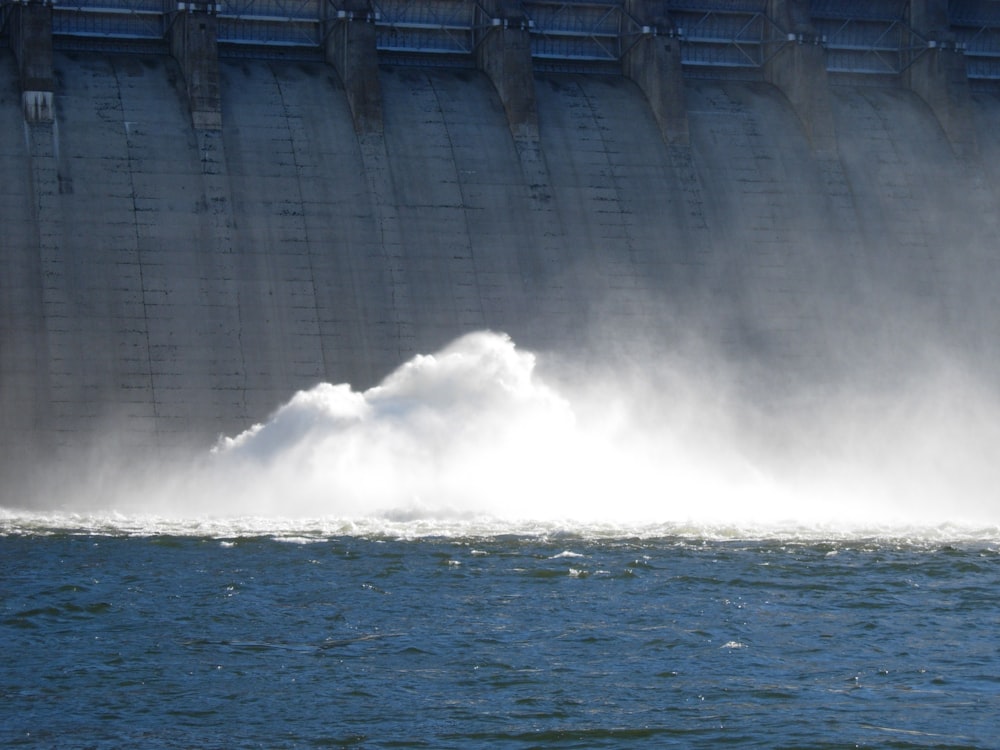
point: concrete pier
(193, 43)
(350, 47)
(30, 29)
(937, 74)
(653, 61)
(504, 54)
(796, 65)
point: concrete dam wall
(170, 282)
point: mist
(485, 435)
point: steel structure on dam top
(718, 38)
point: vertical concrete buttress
(350, 49)
(796, 65)
(653, 62)
(938, 74)
(504, 54)
(31, 41)
(194, 44)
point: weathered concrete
(30, 29)
(938, 75)
(350, 48)
(653, 61)
(797, 66)
(929, 17)
(193, 43)
(169, 283)
(504, 54)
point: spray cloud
(475, 432)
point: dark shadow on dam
(171, 283)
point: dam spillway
(196, 226)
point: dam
(207, 206)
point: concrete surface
(167, 284)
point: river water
(304, 638)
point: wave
(312, 530)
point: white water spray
(473, 437)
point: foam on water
(472, 440)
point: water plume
(467, 430)
(475, 431)
(474, 437)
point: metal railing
(866, 38)
(976, 26)
(269, 28)
(733, 39)
(425, 27)
(579, 32)
(727, 38)
(109, 21)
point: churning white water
(473, 437)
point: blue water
(555, 640)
